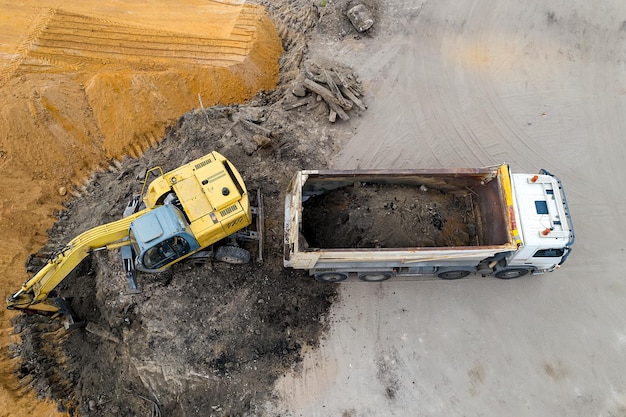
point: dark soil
(388, 216)
(200, 339)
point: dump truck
(201, 209)
(373, 225)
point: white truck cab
(545, 229)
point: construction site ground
(88, 88)
(446, 84)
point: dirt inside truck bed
(367, 215)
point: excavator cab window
(165, 252)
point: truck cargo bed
(370, 215)
(384, 215)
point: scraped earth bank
(201, 339)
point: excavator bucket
(65, 311)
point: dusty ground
(475, 83)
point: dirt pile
(388, 216)
(200, 339)
(86, 83)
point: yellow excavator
(199, 209)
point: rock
(360, 17)
(102, 332)
(248, 145)
(298, 89)
(261, 141)
(62, 191)
(251, 114)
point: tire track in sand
(39, 25)
(88, 41)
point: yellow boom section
(34, 293)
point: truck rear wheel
(374, 276)
(453, 274)
(232, 255)
(511, 273)
(331, 276)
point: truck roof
(541, 210)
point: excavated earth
(203, 338)
(388, 216)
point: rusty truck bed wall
(484, 185)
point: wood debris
(333, 84)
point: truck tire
(457, 274)
(375, 276)
(511, 273)
(232, 255)
(331, 276)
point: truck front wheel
(511, 273)
(331, 276)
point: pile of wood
(336, 86)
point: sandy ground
(83, 83)
(475, 83)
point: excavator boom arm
(33, 295)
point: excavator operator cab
(161, 237)
(165, 252)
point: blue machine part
(161, 237)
